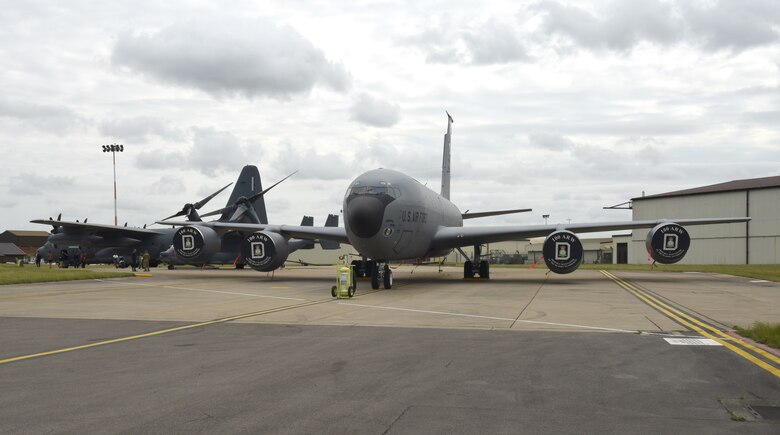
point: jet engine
(264, 250)
(667, 243)
(562, 251)
(195, 244)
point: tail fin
(248, 184)
(331, 221)
(307, 221)
(445, 164)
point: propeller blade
(216, 212)
(203, 201)
(181, 213)
(259, 194)
(59, 217)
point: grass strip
(13, 274)
(762, 332)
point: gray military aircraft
(390, 216)
(101, 242)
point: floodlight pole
(113, 149)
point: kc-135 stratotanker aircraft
(390, 216)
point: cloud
(226, 58)
(47, 118)
(374, 112)
(33, 184)
(550, 141)
(166, 185)
(137, 129)
(453, 41)
(315, 165)
(621, 26)
(212, 151)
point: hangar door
(622, 253)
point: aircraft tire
(374, 276)
(357, 267)
(170, 267)
(388, 278)
(468, 272)
(351, 291)
(484, 269)
(240, 266)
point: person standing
(49, 258)
(83, 259)
(38, 258)
(134, 259)
(145, 261)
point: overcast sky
(564, 107)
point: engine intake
(668, 243)
(195, 244)
(562, 251)
(264, 251)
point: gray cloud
(315, 165)
(620, 25)
(167, 185)
(212, 151)
(231, 58)
(137, 129)
(485, 43)
(374, 112)
(47, 118)
(550, 141)
(31, 184)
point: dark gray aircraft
(390, 216)
(101, 242)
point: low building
(27, 241)
(754, 242)
(10, 253)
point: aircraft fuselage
(391, 216)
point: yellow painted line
(663, 308)
(144, 275)
(169, 330)
(758, 350)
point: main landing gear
(476, 266)
(380, 272)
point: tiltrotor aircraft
(390, 216)
(101, 242)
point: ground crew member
(38, 258)
(145, 261)
(49, 258)
(134, 259)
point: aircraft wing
(99, 229)
(453, 237)
(335, 234)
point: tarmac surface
(236, 351)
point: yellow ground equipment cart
(345, 283)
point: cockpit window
(391, 191)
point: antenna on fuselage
(445, 164)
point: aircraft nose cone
(364, 216)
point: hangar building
(754, 242)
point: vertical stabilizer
(248, 184)
(445, 164)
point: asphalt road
(523, 353)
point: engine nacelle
(562, 251)
(264, 250)
(195, 244)
(667, 243)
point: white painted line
(203, 290)
(760, 281)
(692, 341)
(487, 317)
